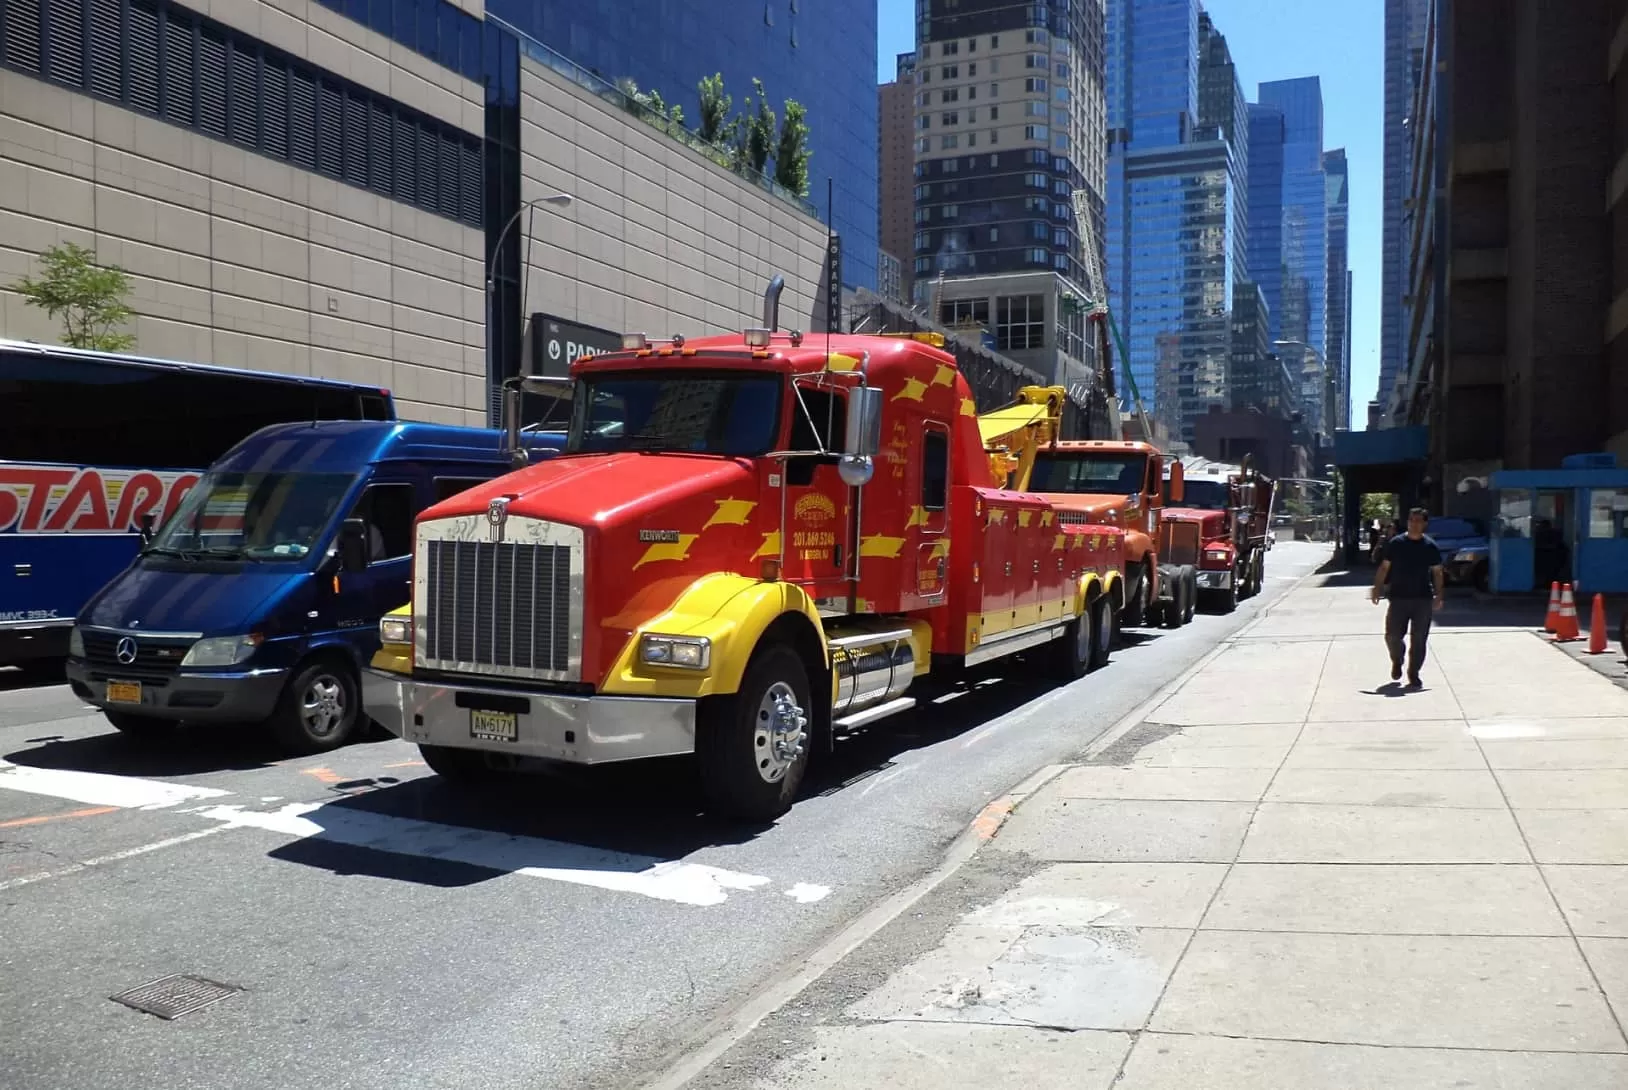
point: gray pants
(1405, 613)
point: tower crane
(1099, 312)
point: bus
(95, 446)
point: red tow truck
(1222, 526)
(751, 544)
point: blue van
(259, 598)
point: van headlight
(1466, 556)
(222, 650)
(395, 630)
(76, 643)
(690, 652)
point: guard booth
(1567, 525)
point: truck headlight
(76, 643)
(395, 630)
(690, 652)
(222, 650)
(1219, 555)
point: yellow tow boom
(1014, 435)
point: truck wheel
(457, 765)
(318, 709)
(1071, 652)
(1102, 632)
(1189, 581)
(1136, 610)
(753, 746)
(140, 727)
(1171, 609)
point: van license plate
(493, 726)
(124, 692)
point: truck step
(871, 715)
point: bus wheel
(318, 709)
(753, 746)
(140, 727)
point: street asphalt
(572, 930)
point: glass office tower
(821, 53)
(1303, 312)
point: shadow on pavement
(41, 675)
(190, 751)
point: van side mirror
(145, 523)
(353, 551)
(1178, 483)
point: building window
(972, 117)
(994, 113)
(952, 117)
(926, 50)
(1036, 132)
(1035, 109)
(950, 166)
(972, 139)
(1020, 320)
(994, 90)
(994, 66)
(1036, 257)
(994, 41)
(921, 215)
(949, 211)
(165, 61)
(950, 71)
(964, 312)
(1035, 60)
(972, 45)
(1033, 85)
(972, 93)
(994, 160)
(1040, 232)
(1036, 37)
(1035, 181)
(1060, 70)
(924, 145)
(951, 48)
(924, 241)
(925, 121)
(994, 234)
(951, 95)
(945, 143)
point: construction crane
(1098, 292)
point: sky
(1344, 44)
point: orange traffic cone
(1596, 627)
(1554, 608)
(1566, 628)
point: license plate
(493, 726)
(124, 692)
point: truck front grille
(154, 656)
(503, 604)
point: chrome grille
(1074, 518)
(503, 604)
(156, 656)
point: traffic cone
(1566, 628)
(1596, 627)
(1550, 621)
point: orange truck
(750, 544)
(1114, 483)
(1224, 520)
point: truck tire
(1189, 582)
(753, 746)
(1168, 612)
(457, 766)
(1102, 632)
(1135, 613)
(143, 728)
(318, 709)
(1071, 652)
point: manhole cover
(174, 995)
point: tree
(791, 154)
(87, 297)
(760, 128)
(714, 124)
(1378, 506)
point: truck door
(928, 524)
(817, 518)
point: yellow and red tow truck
(750, 544)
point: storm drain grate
(174, 995)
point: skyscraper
(1405, 28)
(1009, 115)
(1338, 178)
(895, 109)
(1176, 232)
(1265, 186)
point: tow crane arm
(1014, 435)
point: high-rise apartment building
(1337, 174)
(1009, 115)
(896, 118)
(1405, 31)
(1177, 203)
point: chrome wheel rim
(780, 732)
(322, 707)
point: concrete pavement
(1290, 873)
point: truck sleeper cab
(747, 546)
(258, 600)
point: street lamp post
(556, 200)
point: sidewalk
(1292, 875)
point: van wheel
(753, 746)
(318, 709)
(143, 728)
(1102, 632)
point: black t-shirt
(1411, 562)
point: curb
(730, 1029)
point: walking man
(1412, 565)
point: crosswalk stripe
(100, 788)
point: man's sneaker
(1396, 671)
(1414, 682)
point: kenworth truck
(1227, 511)
(750, 544)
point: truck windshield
(1071, 471)
(1210, 495)
(732, 413)
(253, 516)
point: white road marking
(534, 857)
(805, 894)
(100, 788)
(168, 842)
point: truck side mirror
(353, 551)
(863, 438)
(1178, 483)
(145, 523)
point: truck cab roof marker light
(635, 342)
(757, 338)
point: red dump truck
(1222, 527)
(750, 544)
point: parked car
(1464, 548)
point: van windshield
(253, 516)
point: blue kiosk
(1566, 524)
